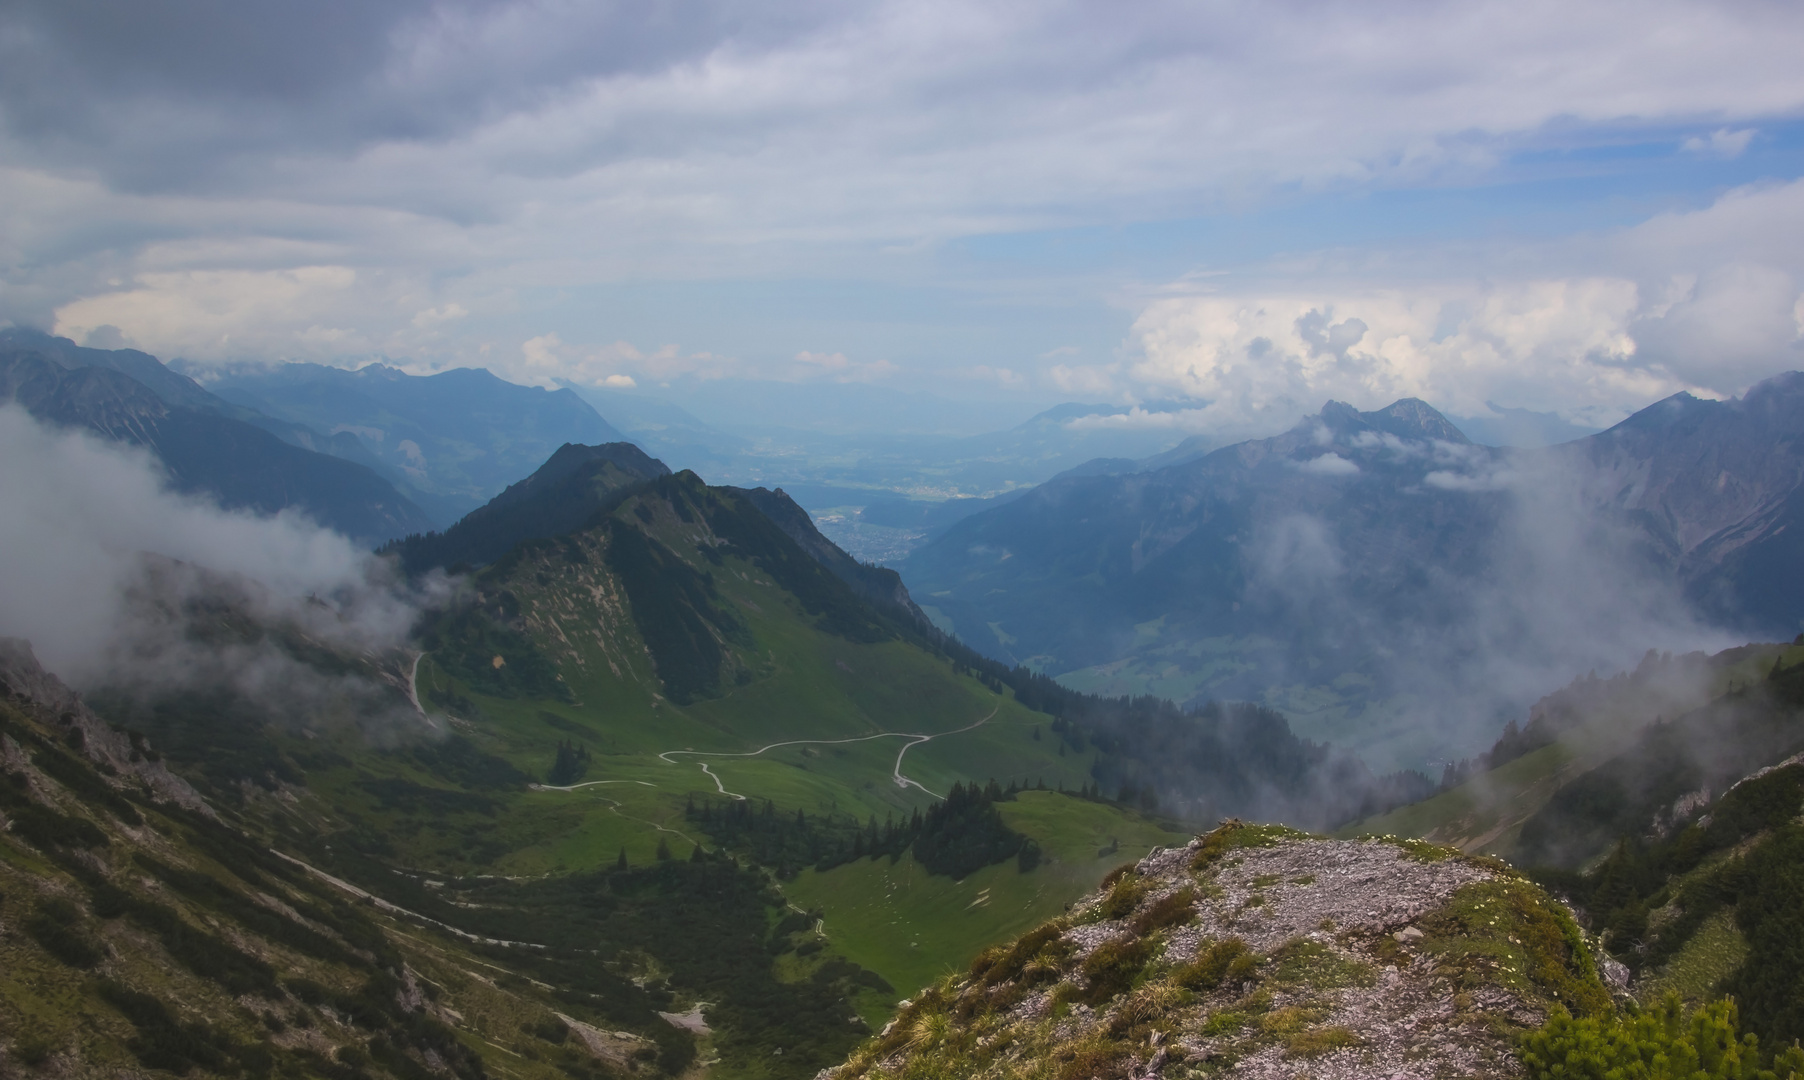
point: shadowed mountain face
(1362, 553)
(458, 437)
(1718, 489)
(877, 585)
(240, 464)
(571, 491)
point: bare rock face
(1258, 951)
(120, 755)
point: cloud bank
(1705, 302)
(223, 181)
(115, 579)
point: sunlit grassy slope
(846, 708)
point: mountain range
(242, 459)
(879, 492)
(662, 780)
(452, 440)
(1362, 556)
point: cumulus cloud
(101, 566)
(207, 308)
(1706, 301)
(1265, 360)
(1723, 328)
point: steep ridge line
(895, 773)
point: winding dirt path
(413, 686)
(396, 909)
(584, 784)
(900, 780)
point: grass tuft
(1223, 963)
(1318, 1041)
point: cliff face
(1260, 952)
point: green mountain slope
(1485, 803)
(637, 908)
(143, 929)
(1667, 810)
(667, 763)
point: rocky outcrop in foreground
(118, 754)
(1257, 951)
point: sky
(1573, 207)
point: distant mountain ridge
(1139, 544)
(456, 437)
(205, 444)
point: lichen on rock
(1258, 951)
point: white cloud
(1720, 143)
(1261, 361)
(1139, 419)
(465, 159)
(221, 313)
(427, 318)
(1724, 328)
(547, 360)
(1329, 465)
(76, 513)
(1706, 301)
(1084, 380)
(837, 367)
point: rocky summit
(1257, 951)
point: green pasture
(912, 927)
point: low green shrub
(1113, 967)
(1659, 1043)
(1174, 910)
(1123, 897)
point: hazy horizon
(1253, 208)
